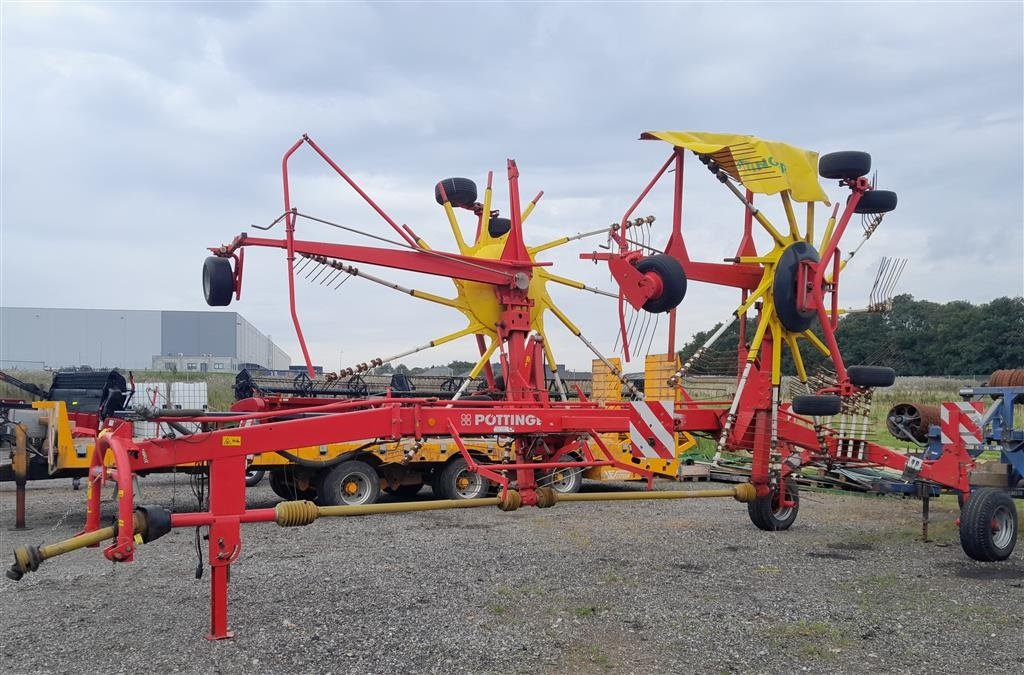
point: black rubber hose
(314, 464)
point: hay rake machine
(501, 289)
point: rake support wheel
(824, 405)
(871, 376)
(218, 281)
(673, 281)
(767, 514)
(844, 165)
(498, 227)
(459, 191)
(876, 201)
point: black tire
(876, 201)
(434, 481)
(848, 164)
(673, 281)
(871, 376)
(988, 525)
(283, 485)
(253, 478)
(460, 191)
(564, 481)
(784, 287)
(824, 405)
(404, 491)
(351, 483)
(456, 481)
(766, 515)
(218, 281)
(499, 227)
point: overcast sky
(134, 136)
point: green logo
(768, 163)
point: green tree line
(918, 337)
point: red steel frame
(553, 427)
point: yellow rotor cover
(763, 167)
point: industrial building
(41, 337)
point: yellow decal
(431, 422)
(231, 441)
(138, 539)
(120, 493)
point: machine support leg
(219, 604)
(19, 506)
(227, 504)
(19, 463)
(924, 516)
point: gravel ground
(610, 587)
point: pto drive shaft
(149, 523)
(152, 522)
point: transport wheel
(499, 227)
(404, 491)
(456, 481)
(351, 483)
(283, 485)
(871, 376)
(673, 281)
(766, 513)
(848, 164)
(824, 405)
(988, 525)
(253, 478)
(460, 191)
(566, 480)
(218, 281)
(876, 201)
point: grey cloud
(141, 134)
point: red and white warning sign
(961, 424)
(651, 429)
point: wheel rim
(355, 489)
(563, 480)
(1002, 527)
(468, 485)
(782, 512)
